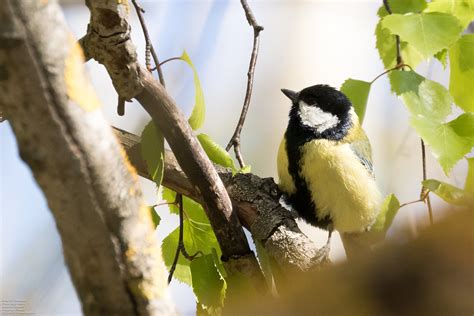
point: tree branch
(108, 41)
(256, 202)
(106, 231)
(235, 140)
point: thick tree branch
(235, 140)
(106, 231)
(108, 41)
(256, 201)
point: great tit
(325, 162)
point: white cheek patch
(314, 117)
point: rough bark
(108, 41)
(92, 190)
(256, 201)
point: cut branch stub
(108, 42)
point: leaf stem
(167, 60)
(411, 202)
(399, 66)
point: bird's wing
(363, 151)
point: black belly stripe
(296, 136)
(301, 201)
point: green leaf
(208, 285)
(386, 45)
(197, 236)
(461, 81)
(461, 9)
(449, 193)
(389, 209)
(152, 146)
(155, 217)
(469, 184)
(358, 92)
(422, 97)
(405, 81)
(428, 33)
(442, 56)
(463, 125)
(216, 153)
(199, 111)
(193, 209)
(403, 6)
(447, 146)
(168, 250)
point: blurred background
(304, 43)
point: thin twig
(149, 45)
(180, 249)
(397, 38)
(425, 194)
(179, 201)
(235, 140)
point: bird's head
(319, 107)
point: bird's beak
(292, 95)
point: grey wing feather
(363, 151)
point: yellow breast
(340, 185)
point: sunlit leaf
(461, 9)
(199, 111)
(155, 217)
(208, 285)
(422, 97)
(447, 146)
(469, 184)
(152, 146)
(463, 125)
(168, 250)
(428, 33)
(389, 209)
(386, 45)
(216, 153)
(442, 56)
(193, 210)
(197, 236)
(358, 92)
(449, 193)
(461, 81)
(403, 6)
